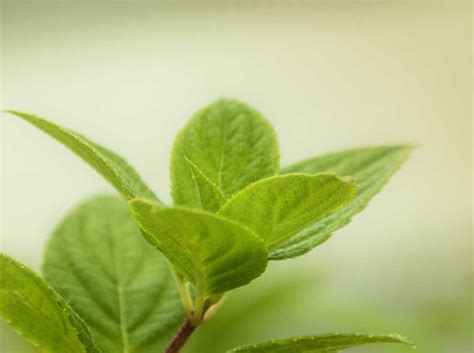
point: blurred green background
(329, 75)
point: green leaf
(319, 344)
(38, 313)
(119, 284)
(212, 253)
(207, 194)
(371, 168)
(277, 208)
(108, 164)
(231, 144)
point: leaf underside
(330, 343)
(371, 168)
(278, 207)
(108, 164)
(230, 144)
(38, 313)
(119, 284)
(211, 252)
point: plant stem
(181, 337)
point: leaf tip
(407, 147)
(403, 340)
(11, 111)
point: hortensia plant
(234, 209)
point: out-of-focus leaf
(319, 344)
(119, 284)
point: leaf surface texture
(371, 168)
(231, 144)
(38, 313)
(119, 284)
(211, 252)
(278, 207)
(108, 164)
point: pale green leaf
(119, 284)
(277, 208)
(207, 194)
(230, 143)
(370, 168)
(330, 343)
(111, 166)
(211, 252)
(38, 313)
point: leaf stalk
(199, 307)
(183, 292)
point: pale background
(328, 75)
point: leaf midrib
(221, 160)
(21, 300)
(120, 295)
(196, 186)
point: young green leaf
(231, 145)
(330, 343)
(38, 313)
(119, 284)
(108, 164)
(211, 252)
(207, 194)
(277, 208)
(370, 167)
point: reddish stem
(181, 337)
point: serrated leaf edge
(345, 179)
(396, 337)
(274, 255)
(87, 144)
(69, 312)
